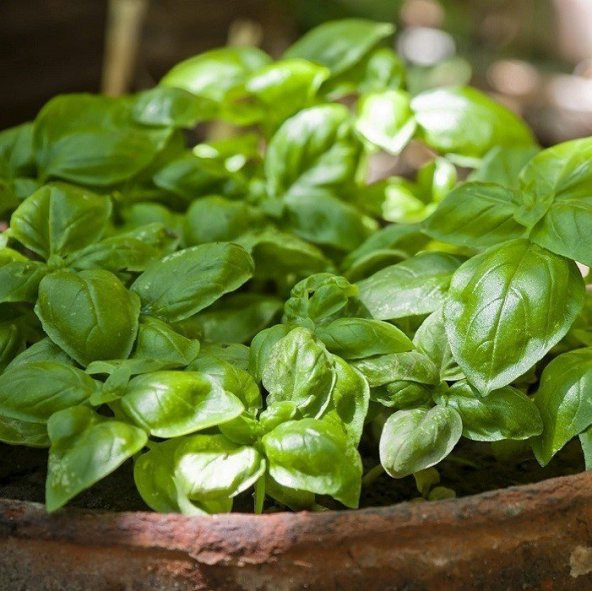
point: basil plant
(250, 316)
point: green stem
(372, 475)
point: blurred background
(533, 55)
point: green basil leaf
(565, 402)
(341, 44)
(158, 341)
(12, 341)
(278, 253)
(17, 432)
(506, 413)
(211, 466)
(90, 314)
(124, 252)
(171, 107)
(315, 455)
(261, 346)
(507, 307)
(214, 73)
(313, 149)
(238, 317)
(413, 440)
(465, 121)
(174, 403)
(409, 366)
(58, 219)
(16, 149)
(189, 280)
(585, 438)
(286, 86)
(19, 277)
(349, 399)
(43, 350)
(385, 119)
(403, 394)
(34, 391)
(231, 378)
(91, 140)
(415, 286)
(476, 215)
(214, 219)
(188, 176)
(556, 183)
(502, 165)
(85, 448)
(357, 338)
(299, 369)
(295, 499)
(318, 299)
(321, 218)
(154, 476)
(431, 340)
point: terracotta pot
(528, 537)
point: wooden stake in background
(122, 39)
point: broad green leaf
(154, 476)
(279, 253)
(299, 369)
(285, 86)
(385, 119)
(188, 177)
(476, 215)
(89, 314)
(585, 438)
(501, 165)
(341, 44)
(349, 399)
(175, 403)
(238, 317)
(507, 307)
(261, 346)
(564, 399)
(12, 341)
(316, 456)
(313, 149)
(556, 185)
(59, 219)
(158, 341)
(183, 283)
(17, 432)
(319, 299)
(409, 366)
(19, 277)
(92, 140)
(403, 394)
(171, 107)
(415, 286)
(214, 219)
(85, 447)
(214, 73)
(506, 413)
(413, 440)
(230, 377)
(43, 350)
(357, 338)
(321, 218)
(295, 499)
(116, 254)
(211, 466)
(16, 149)
(431, 340)
(34, 391)
(464, 121)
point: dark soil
(472, 469)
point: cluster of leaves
(242, 314)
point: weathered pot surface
(528, 537)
